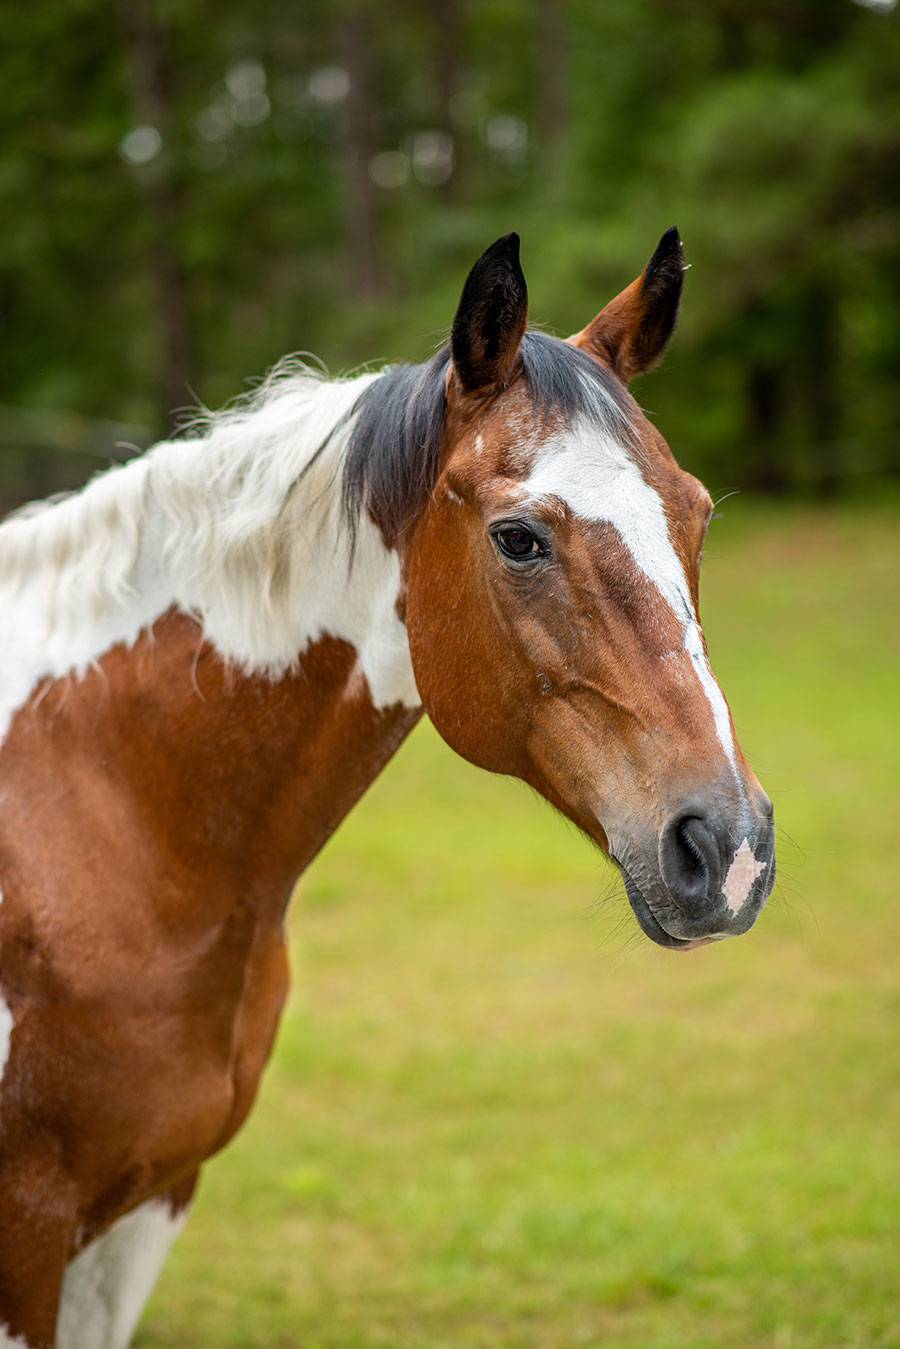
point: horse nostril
(691, 856)
(689, 859)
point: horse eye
(518, 543)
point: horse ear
(491, 319)
(631, 333)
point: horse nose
(710, 858)
(692, 852)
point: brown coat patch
(153, 818)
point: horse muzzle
(711, 874)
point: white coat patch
(598, 480)
(6, 1025)
(741, 875)
(237, 527)
(8, 1341)
(107, 1284)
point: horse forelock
(397, 437)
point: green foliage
(325, 175)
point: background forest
(190, 190)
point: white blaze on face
(742, 873)
(598, 480)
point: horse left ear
(631, 333)
(491, 319)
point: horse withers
(210, 653)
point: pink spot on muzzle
(741, 875)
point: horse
(212, 650)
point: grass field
(497, 1117)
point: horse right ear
(631, 333)
(491, 319)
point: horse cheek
(468, 673)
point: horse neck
(240, 665)
(242, 775)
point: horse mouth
(650, 924)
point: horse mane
(220, 506)
(393, 454)
(238, 503)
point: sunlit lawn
(496, 1118)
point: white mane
(241, 525)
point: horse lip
(650, 924)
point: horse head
(552, 600)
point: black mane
(393, 454)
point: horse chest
(146, 878)
(144, 1040)
(254, 1022)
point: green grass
(496, 1119)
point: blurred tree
(192, 193)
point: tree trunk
(359, 190)
(820, 385)
(765, 430)
(550, 81)
(447, 65)
(145, 38)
